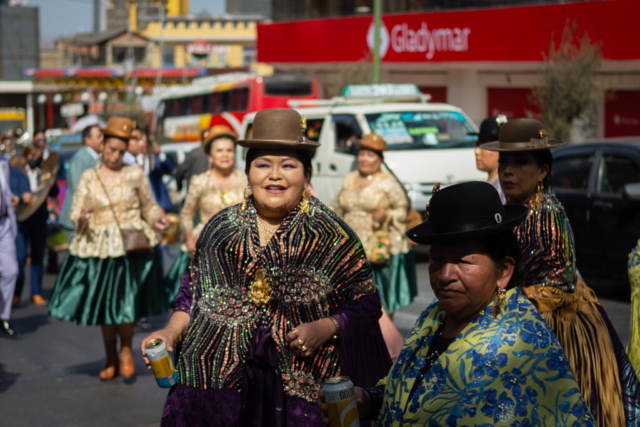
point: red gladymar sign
(493, 34)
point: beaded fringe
(633, 348)
(584, 336)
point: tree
(570, 88)
(352, 74)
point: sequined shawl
(314, 264)
(507, 370)
(547, 244)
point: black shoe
(7, 329)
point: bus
(12, 119)
(185, 111)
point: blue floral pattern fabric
(507, 370)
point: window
(419, 130)
(205, 103)
(617, 171)
(186, 106)
(347, 131)
(168, 57)
(572, 171)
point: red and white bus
(185, 111)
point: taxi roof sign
(380, 90)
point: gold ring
(306, 353)
(294, 331)
(304, 348)
(301, 342)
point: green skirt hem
(396, 281)
(179, 268)
(108, 291)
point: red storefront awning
(521, 33)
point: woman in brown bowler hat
(100, 283)
(571, 308)
(279, 297)
(375, 205)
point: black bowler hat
(490, 128)
(468, 210)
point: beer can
(341, 402)
(161, 363)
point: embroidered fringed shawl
(314, 264)
(507, 370)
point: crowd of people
(275, 292)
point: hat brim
(366, 146)
(495, 146)
(116, 134)
(207, 144)
(424, 234)
(277, 144)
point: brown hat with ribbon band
(120, 127)
(373, 142)
(216, 132)
(523, 135)
(280, 129)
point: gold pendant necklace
(227, 200)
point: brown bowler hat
(280, 129)
(523, 135)
(120, 127)
(216, 132)
(373, 142)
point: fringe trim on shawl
(585, 339)
(633, 348)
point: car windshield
(410, 130)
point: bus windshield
(411, 130)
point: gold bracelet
(335, 323)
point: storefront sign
(202, 47)
(522, 33)
(72, 110)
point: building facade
(485, 61)
(19, 41)
(249, 7)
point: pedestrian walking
(481, 354)
(487, 161)
(112, 272)
(210, 192)
(85, 158)
(8, 257)
(196, 162)
(375, 206)
(32, 218)
(570, 307)
(280, 298)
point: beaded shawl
(313, 265)
(504, 370)
(546, 240)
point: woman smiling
(279, 298)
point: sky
(68, 17)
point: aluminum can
(161, 363)
(341, 402)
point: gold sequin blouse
(131, 196)
(206, 197)
(382, 192)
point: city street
(48, 376)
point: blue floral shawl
(507, 370)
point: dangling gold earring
(495, 310)
(244, 200)
(304, 206)
(539, 196)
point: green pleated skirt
(109, 291)
(179, 268)
(396, 281)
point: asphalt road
(48, 376)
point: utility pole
(160, 45)
(377, 19)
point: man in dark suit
(195, 163)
